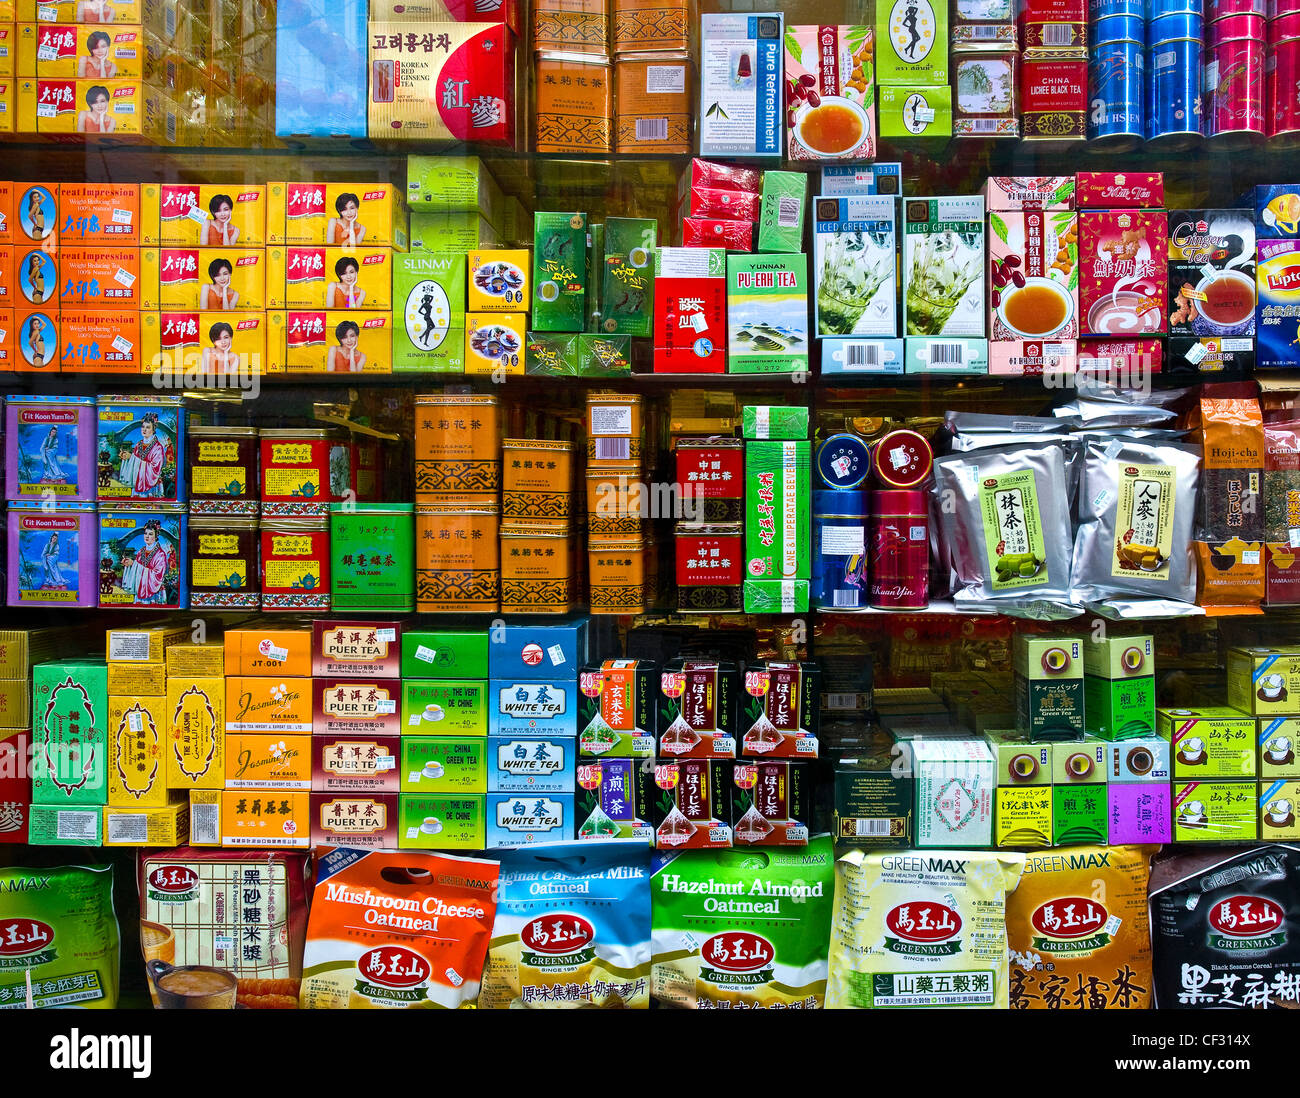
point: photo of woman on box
(97, 65)
(151, 568)
(345, 358)
(38, 278)
(141, 468)
(96, 119)
(219, 295)
(219, 359)
(345, 293)
(219, 232)
(32, 342)
(38, 220)
(95, 11)
(345, 231)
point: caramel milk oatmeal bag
(392, 930)
(1078, 931)
(921, 928)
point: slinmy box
(449, 654)
(1119, 687)
(137, 767)
(1215, 742)
(196, 732)
(538, 651)
(444, 764)
(525, 819)
(367, 821)
(158, 826)
(266, 760)
(767, 313)
(530, 764)
(356, 707)
(740, 84)
(266, 818)
(916, 111)
(528, 707)
(304, 276)
(356, 649)
(855, 256)
(429, 291)
(444, 707)
(441, 822)
(70, 733)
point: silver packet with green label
(1137, 503)
(1004, 515)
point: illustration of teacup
(1192, 814)
(431, 826)
(1281, 813)
(1192, 751)
(433, 712)
(1272, 687)
(1079, 765)
(1022, 768)
(432, 769)
(1278, 750)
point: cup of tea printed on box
(1213, 742)
(830, 92)
(855, 255)
(523, 764)
(498, 281)
(1279, 803)
(1216, 811)
(1278, 739)
(1033, 275)
(366, 821)
(208, 215)
(1211, 272)
(1123, 276)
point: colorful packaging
(616, 714)
(1263, 681)
(954, 781)
(443, 764)
(211, 345)
(1034, 258)
(780, 710)
(1049, 687)
(654, 101)
(777, 526)
(444, 707)
(441, 822)
(526, 707)
(1277, 739)
(1277, 286)
(612, 799)
(208, 215)
(574, 111)
(429, 312)
(912, 44)
(1212, 273)
(496, 343)
(1054, 95)
(1215, 811)
(767, 314)
(1119, 687)
(143, 438)
(204, 279)
(1139, 812)
(525, 819)
(359, 821)
(338, 215)
(690, 310)
(1123, 289)
(355, 764)
(137, 748)
(300, 276)
(987, 92)
(70, 733)
(100, 213)
(444, 655)
(52, 555)
(943, 266)
(853, 266)
(740, 73)
(838, 123)
(559, 296)
(50, 448)
(627, 289)
(529, 764)
(916, 111)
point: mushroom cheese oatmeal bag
(736, 928)
(57, 926)
(397, 930)
(1077, 929)
(921, 928)
(572, 927)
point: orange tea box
(338, 342)
(36, 337)
(337, 215)
(8, 340)
(33, 210)
(208, 215)
(655, 97)
(137, 765)
(209, 343)
(31, 276)
(308, 277)
(100, 341)
(80, 51)
(7, 211)
(271, 650)
(196, 733)
(79, 11)
(257, 704)
(99, 214)
(81, 106)
(265, 760)
(10, 293)
(100, 278)
(204, 279)
(278, 818)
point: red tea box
(1123, 285)
(690, 324)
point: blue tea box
(522, 819)
(853, 179)
(321, 68)
(531, 764)
(524, 707)
(538, 652)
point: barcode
(841, 701)
(124, 827)
(171, 128)
(871, 828)
(986, 32)
(204, 820)
(1058, 34)
(862, 354)
(984, 125)
(613, 449)
(947, 354)
(787, 213)
(652, 129)
(844, 598)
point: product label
(1013, 531)
(1144, 521)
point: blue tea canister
(839, 549)
(843, 461)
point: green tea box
(429, 312)
(612, 800)
(56, 825)
(943, 266)
(1024, 816)
(767, 314)
(1279, 802)
(855, 258)
(875, 799)
(627, 296)
(69, 734)
(762, 422)
(1049, 687)
(1079, 814)
(1119, 687)
(453, 183)
(444, 764)
(1018, 761)
(552, 354)
(1076, 762)
(767, 596)
(1278, 739)
(444, 707)
(441, 822)
(604, 355)
(1215, 742)
(451, 231)
(1216, 812)
(781, 212)
(911, 43)
(1264, 681)
(559, 271)
(916, 111)
(777, 515)
(444, 654)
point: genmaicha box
(444, 764)
(911, 43)
(767, 313)
(445, 707)
(741, 100)
(530, 764)
(526, 707)
(855, 253)
(356, 764)
(616, 709)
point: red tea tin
(1234, 86)
(1282, 90)
(1221, 9)
(900, 550)
(1284, 27)
(1054, 96)
(903, 459)
(296, 563)
(712, 470)
(301, 468)
(709, 573)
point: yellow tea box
(300, 276)
(205, 817)
(266, 760)
(1024, 816)
(161, 825)
(199, 660)
(338, 342)
(268, 650)
(215, 344)
(498, 280)
(203, 279)
(337, 215)
(256, 704)
(1278, 739)
(15, 704)
(203, 215)
(78, 11)
(86, 51)
(268, 818)
(137, 679)
(495, 342)
(196, 733)
(137, 767)
(1264, 681)
(1279, 802)
(144, 645)
(81, 106)
(1216, 812)
(1216, 742)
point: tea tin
(537, 569)
(372, 547)
(1234, 85)
(303, 471)
(223, 562)
(457, 445)
(51, 555)
(1281, 104)
(1173, 87)
(50, 448)
(457, 555)
(142, 557)
(1117, 89)
(222, 463)
(140, 442)
(295, 563)
(536, 481)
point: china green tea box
(767, 314)
(627, 298)
(441, 822)
(777, 516)
(444, 764)
(429, 312)
(1049, 687)
(69, 733)
(444, 707)
(1119, 687)
(559, 271)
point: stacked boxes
(1054, 70)
(778, 546)
(944, 285)
(1215, 765)
(1264, 686)
(69, 753)
(620, 554)
(709, 547)
(985, 70)
(912, 71)
(616, 740)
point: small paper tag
(842, 466)
(556, 652)
(762, 422)
(121, 217)
(386, 762)
(425, 654)
(925, 114)
(385, 636)
(121, 344)
(135, 721)
(196, 214)
(277, 654)
(45, 110)
(385, 707)
(1293, 536)
(1195, 353)
(1113, 924)
(1113, 447)
(124, 277)
(413, 720)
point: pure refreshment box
(741, 103)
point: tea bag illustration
(598, 826)
(752, 827)
(676, 828)
(598, 737)
(679, 738)
(762, 736)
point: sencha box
(1049, 687)
(1119, 687)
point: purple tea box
(1139, 813)
(52, 555)
(50, 448)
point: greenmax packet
(735, 928)
(57, 926)
(572, 927)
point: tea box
(362, 821)
(137, 746)
(1143, 760)
(54, 825)
(1139, 813)
(580, 27)
(447, 231)
(437, 707)
(408, 71)
(559, 296)
(530, 764)
(536, 482)
(188, 348)
(574, 110)
(852, 179)
(429, 304)
(498, 281)
(295, 563)
(335, 342)
(627, 289)
(1277, 738)
(916, 111)
(101, 341)
(654, 96)
(260, 704)
(206, 215)
(52, 555)
(552, 354)
(690, 310)
(196, 730)
(444, 822)
(709, 566)
(767, 313)
(839, 122)
(266, 818)
(146, 644)
(1119, 190)
(780, 710)
(143, 438)
(456, 445)
(855, 254)
(1078, 761)
(1211, 275)
(862, 356)
(538, 651)
(1277, 283)
(1034, 255)
(1278, 801)
(690, 804)
(100, 213)
(372, 561)
(1122, 272)
(612, 800)
(987, 87)
(351, 649)
(618, 574)
(70, 733)
(1024, 816)
(1054, 95)
(1018, 762)
(522, 819)
(650, 24)
(356, 707)
(698, 708)
(302, 276)
(156, 826)
(496, 344)
(616, 714)
(740, 77)
(954, 783)
(444, 764)
(1079, 814)
(781, 212)
(614, 431)
(1049, 687)
(717, 232)
(943, 266)
(142, 556)
(1263, 681)
(453, 182)
(1119, 687)
(137, 679)
(267, 761)
(80, 106)
(36, 214)
(531, 707)
(1210, 742)
(777, 526)
(875, 800)
(339, 215)
(1215, 811)
(1053, 192)
(537, 569)
(911, 44)
(458, 567)
(770, 801)
(15, 791)
(355, 763)
(444, 655)
(205, 279)
(605, 356)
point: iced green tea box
(444, 764)
(444, 654)
(767, 314)
(1278, 739)
(1264, 681)
(777, 516)
(433, 822)
(943, 266)
(429, 312)
(70, 733)
(60, 825)
(1215, 742)
(1049, 687)
(451, 707)
(1216, 812)
(627, 297)
(781, 211)
(559, 271)
(1079, 814)
(1119, 687)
